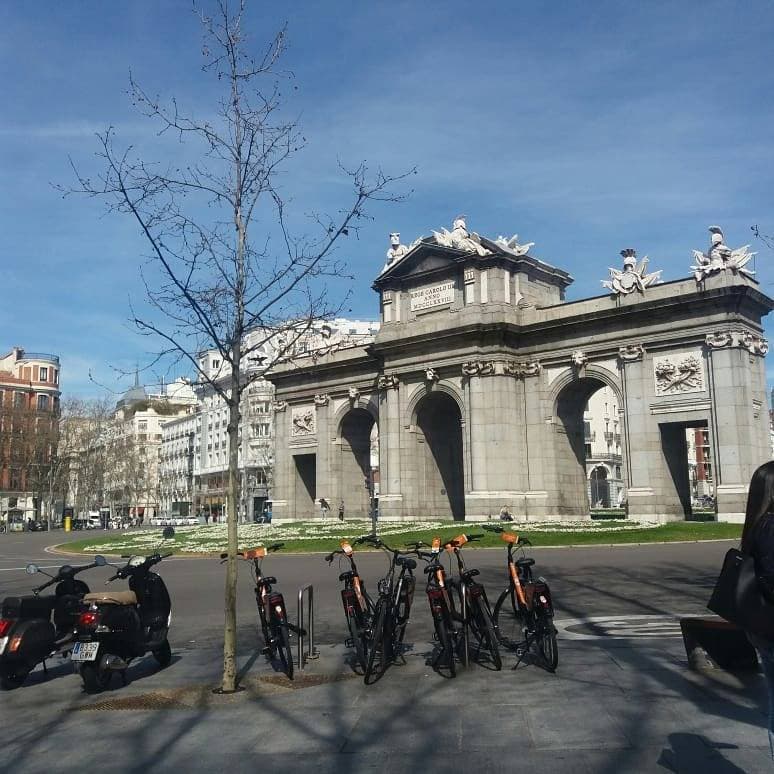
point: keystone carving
(631, 352)
(579, 358)
(388, 382)
(321, 399)
(279, 405)
(354, 394)
(431, 375)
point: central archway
(441, 478)
(588, 448)
(355, 486)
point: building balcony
(40, 356)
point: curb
(56, 549)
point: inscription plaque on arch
(432, 296)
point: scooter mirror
(169, 532)
(100, 560)
(31, 569)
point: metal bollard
(312, 653)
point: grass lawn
(325, 536)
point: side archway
(440, 480)
(352, 462)
(576, 443)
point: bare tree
(83, 455)
(767, 239)
(223, 258)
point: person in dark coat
(758, 542)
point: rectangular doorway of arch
(305, 485)
(687, 450)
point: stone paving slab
(605, 710)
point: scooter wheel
(13, 677)
(163, 655)
(94, 678)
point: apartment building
(29, 412)
(193, 462)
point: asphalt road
(647, 580)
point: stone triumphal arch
(478, 379)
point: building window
(215, 363)
(43, 374)
(18, 399)
(42, 402)
(142, 425)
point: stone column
(654, 454)
(478, 427)
(323, 475)
(534, 450)
(390, 488)
(739, 414)
(282, 491)
(641, 444)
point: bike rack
(307, 589)
(465, 633)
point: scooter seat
(111, 597)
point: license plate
(84, 651)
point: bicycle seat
(267, 580)
(470, 574)
(346, 575)
(406, 561)
(525, 562)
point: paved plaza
(622, 699)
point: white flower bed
(212, 538)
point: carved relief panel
(679, 373)
(303, 421)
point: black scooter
(35, 628)
(119, 626)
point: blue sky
(584, 127)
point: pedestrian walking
(325, 507)
(341, 511)
(758, 542)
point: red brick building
(29, 414)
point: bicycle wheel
(282, 646)
(444, 631)
(359, 640)
(509, 626)
(401, 619)
(484, 629)
(545, 637)
(378, 645)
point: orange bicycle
(524, 612)
(273, 615)
(358, 607)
